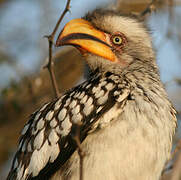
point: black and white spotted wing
(46, 141)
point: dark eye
(117, 40)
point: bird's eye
(117, 40)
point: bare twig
(81, 153)
(149, 9)
(50, 38)
(50, 41)
(170, 18)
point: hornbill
(122, 112)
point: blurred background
(25, 85)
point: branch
(81, 153)
(50, 64)
(50, 38)
(149, 9)
(171, 18)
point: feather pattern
(46, 141)
(125, 118)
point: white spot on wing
(25, 173)
(53, 137)
(39, 159)
(103, 83)
(25, 129)
(38, 140)
(109, 86)
(53, 123)
(72, 104)
(34, 131)
(77, 95)
(76, 118)
(112, 114)
(55, 152)
(94, 90)
(103, 99)
(89, 101)
(116, 93)
(40, 124)
(66, 144)
(123, 95)
(115, 78)
(99, 109)
(58, 104)
(88, 86)
(57, 129)
(29, 147)
(24, 146)
(61, 114)
(98, 94)
(84, 85)
(44, 107)
(20, 144)
(82, 95)
(37, 116)
(76, 109)
(84, 99)
(68, 101)
(49, 115)
(72, 93)
(66, 125)
(88, 109)
(20, 171)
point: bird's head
(108, 41)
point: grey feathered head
(108, 40)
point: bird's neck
(142, 74)
(144, 77)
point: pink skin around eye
(117, 47)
